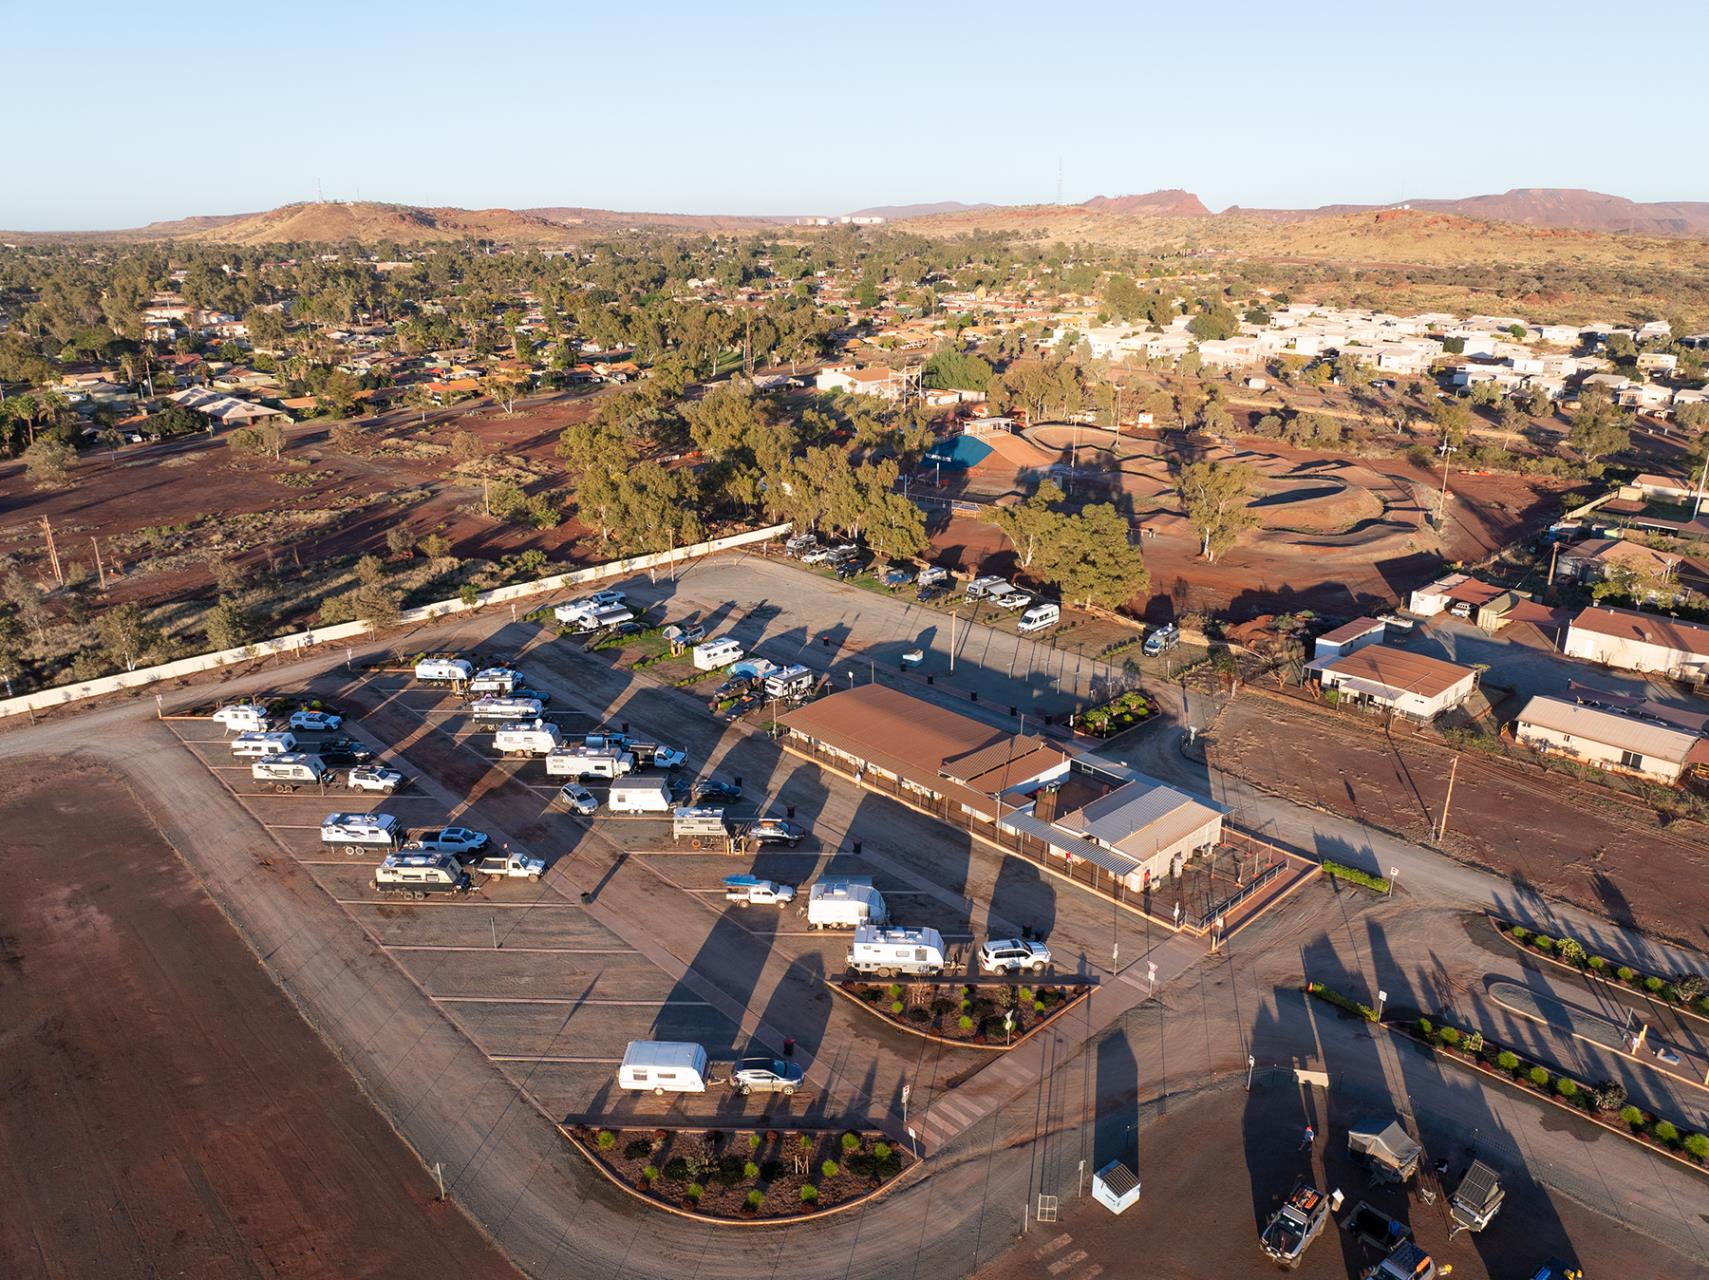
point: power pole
(1442, 827)
(1554, 554)
(52, 552)
(100, 572)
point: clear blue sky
(119, 113)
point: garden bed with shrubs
(1685, 991)
(1118, 715)
(965, 1014)
(745, 1174)
(1605, 1103)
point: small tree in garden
(1571, 951)
(1474, 1042)
(1610, 1096)
(1690, 986)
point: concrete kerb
(912, 1173)
(1503, 1079)
(946, 1042)
(1611, 983)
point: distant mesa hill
(330, 222)
(1173, 203)
(902, 212)
(1566, 208)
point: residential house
(1458, 593)
(226, 411)
(1594, 559)
(1413, 685)
(1609, 740)
(1350, 636)
(873, 380)
(1645, 397)
(1633, 641)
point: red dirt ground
(1269, 571)
(147, 486)
(1567, 841)
(165, 1110)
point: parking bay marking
(640, 1004)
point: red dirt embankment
(164, 1110)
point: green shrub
(750, 1171)
(1665, 1132)
(829, 1169)
(753, 1142)
(1520, 933)
(637, 1149)
(1451, 1037)
(606, 1139)
(809, 1193)
(1474, 1042)
(1571, 951)
(1507, 1061)
(755, 1199)
(1625, 973)
(1539, 1076)
(730, 1171)
(1689, 986)
(1427, 1028)
(1632, 1117)
(965, 1022)
(896, 1007)
(695, 1191)
(806, 1142)
(920, 1014)
(1338, 871)
(882, 1150)
(1039, 1007)
(851, 1142)
(1566, 1088)
(1598, 964)
(676, 1169)
(1543, 943)
(1697, 1147)
(1610, 1095)
(1653, 984)
(894, 991)
(651, 1173)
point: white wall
(1600, 754)
(143, 676)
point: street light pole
(1251, 1062)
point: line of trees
(1089, 555)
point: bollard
(625, 726)
(1014, 710)
(857, 846)
(928, 680)
(789, 811)
(975, 695)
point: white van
(663, 1066)
(709, 655)
(791, 682)
(641, 795)
(263, 744)
(245, 717)
(444, 671)
(1038, 618)
(289, 770)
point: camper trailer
(791, 682)
(497, 709)
(290, 770)
(663, 1066)
(536, 738)
(444, 671)
(704, 823)
(588, 762)
(245, 717)
(846, 902)
(250, 745)
(891, 953)
(641, 795)
(494, 680)
(358, 832)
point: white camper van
(588, 762)
(709, 655)
(663, 1066)
(491, 709)
(415, 875)
(263, 744)
(244, 717)
(1038, 618)
(641, 795)
(846, 902)
(889, 953)
(535, 738)
(290, 770)
(791, 682)
(356, 832)
(444, 671)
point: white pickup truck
(747, 891)
(454, 840)
(513, 866)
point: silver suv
(766, 1075)
(1011, 955)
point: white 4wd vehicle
(316, 721)
(449, 840)
(374, 777)
(1011, 955)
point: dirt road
(165, 1110)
